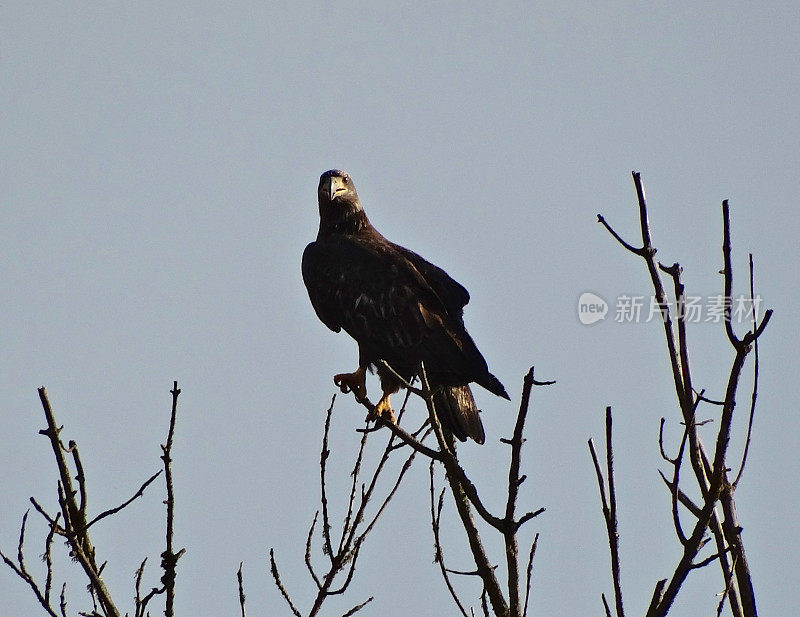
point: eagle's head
(336, 188)
(340, 210)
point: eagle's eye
(345, 180)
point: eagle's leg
(355, 382)
(384, 407)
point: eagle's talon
(352, 382)
(384, 410)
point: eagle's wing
(397, 306)
(372, 290)
(452, 294)
(318, 276)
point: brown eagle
(398, 307)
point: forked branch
(710, 473)
(73, 522)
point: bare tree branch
(528, 573)
(20, 569)
(754, 392)
(240, 584)
(75, 524)
(169, 559)
(458, 483)
(711, 475)
(436, 516)
(358, 607)
(279, 584)
(138, 494)
(356, 525)
(609, 503)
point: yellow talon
(384, 409)
(355, 382)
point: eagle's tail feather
(493, 385)
(456, 410)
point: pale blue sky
(159, 171)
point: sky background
(158, 186)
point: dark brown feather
(456, 410)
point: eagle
(400, 308)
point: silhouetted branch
(279, 584)
(356, 526)
(142, 602)
(606, 608)
(399, 432)
(529, 573)
(169, 559)
(609, 503)
(240, 584)
(73, 512)
(436, 516)
(43, 596)
(647, 252)
(711, 475)
(725, 594)
(511, 525)
(754, 392)
(456, 478)
(323, 461)
(465, 494)
(358, 607)
(138, 494)
(72, 522)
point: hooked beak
(335, 187)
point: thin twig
(406, 466)
(610, 509)
(62, 601)
(682, 497)
(754, 392)
(80, 477)
(358, 607)
(601, 219)
(21, 571)
(323, 458)
(309, 538)
(436, 515)
(528, 574)
(726, 593)
(708, 560)
(279, 584)
(606, 608)
(675, 484)
(240, 582)
(48, 560)
(647, 252)
(514, 482)
(138, 494)
(355, 526)
(169, 559)
(141, 603)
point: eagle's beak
(335, 186)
